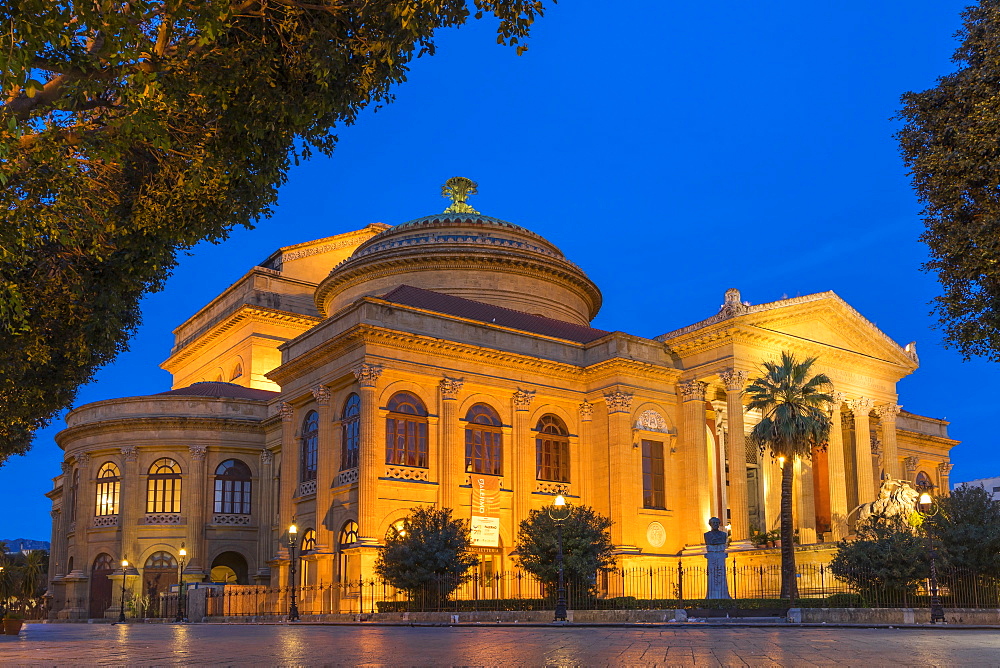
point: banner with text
(485, 524)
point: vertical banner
(485, 524)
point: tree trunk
(789, 585)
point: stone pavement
(314, 645)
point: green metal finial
(458, 188)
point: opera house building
(450, 361)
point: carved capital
(67, 468)
(692, 390)
(367, 374)
(733, 379)
(944, 468)
(861, 405)
(286, 411)
(266, 456)
(911, 463)
(618, 402)
(586, 411)
(54, 514)
(847, 420)
(887, 412)
(523, 399)
(130, 453)
(198, 452)
(450, 387)
(321, 393)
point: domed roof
(466, 254)
(210, 388)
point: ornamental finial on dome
(458, 188)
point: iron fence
(636, 588)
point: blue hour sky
(673, 150)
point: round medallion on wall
(656, 534)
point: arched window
(351, 426)
(308, 540)
(161, 561)
(310, 446)
(552, 449)
(237, 372)
(406, 431)
(348, 536)
(349, 533)
(483, 441)
(108, 486)
(396, 530)
(163, 489)
(232, 488)
(923, 482)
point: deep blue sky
(671, 149)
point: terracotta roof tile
(407, 295)
(219, 389)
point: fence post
(680, 581)
(735, 594)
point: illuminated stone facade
(448, 328)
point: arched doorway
(231, 568)
(159, 572)
(100, 585)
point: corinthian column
(132, 503)
(368, 459)
(289, 468)
(944, 485)
(196, 512)
(326, 465)
(694, 462)
(449, 460)
(520, 464)
(265, 518)
(890, 452)
(863, 449)
(734, 379)
(836, 472)
(619, 444)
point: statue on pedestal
(715, 546)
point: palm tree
(793, 406)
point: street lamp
(180, 587)
(559, 511)
(929, 509)
(293, 610)
(121, 610)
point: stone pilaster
(734, 379)
(911, 464)
(694, 462)
(289, 468)
(369, 462)
(619, 405)
(451, 462)
(890, 451)
(327, 465)
(131, 502)
(944, 484)
(837, 473)
(520, 465)
(582, 457)
(265, 516)
(860, 407)
(195, 512)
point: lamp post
(928, 509)
(293, 609)
(180, 587)
(559, 511)
(121, 610)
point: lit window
(348, 536)
(923, 482)
(552, 449)
(108, 485)
(308, 541)
(163, 488)
(406, 431)
(232, 488)
(237, 372)
(652, 475)
(483, 441)
(351, 427)
(310, 446)
(396, 530)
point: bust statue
(715, 552)
(715, 536)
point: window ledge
(102, 521)
(232, 520)
(406, 473)
(162, 518)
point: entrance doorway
(100, 585)
(230, 568)
(158, 574)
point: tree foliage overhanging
(131, 131)
(951, 144)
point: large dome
(467, 255)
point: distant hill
(19, 544)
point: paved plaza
(314, 645)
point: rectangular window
(163, 495)
(652, 475)
(406, 443)
(483, 451)
(107, 498)
(552, 459)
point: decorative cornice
(734, 379)
(450, 387)
(321, 394)
(692, 390)
(147, 423)
(367, 374)
(522, 399)
(586, 411)
(618, 402)
(130, 453)
(887, 412)
(198, 452)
